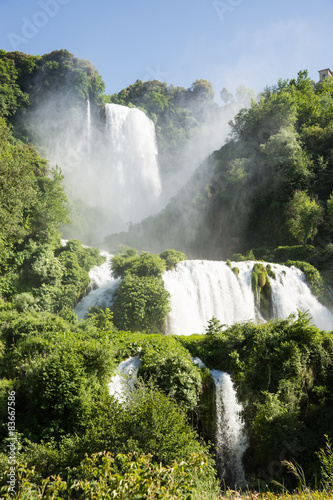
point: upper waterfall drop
(88, 122)
(131, 152)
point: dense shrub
(172, 370)
(172, 257)
(141, 304)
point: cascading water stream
(230, 437)
(202, 289)
(102, 287)
(231, 441)
(88, 125)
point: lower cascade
(231, 441)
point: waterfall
(112, 166)
(230, 437)
(88, 123)
(102, 287)
(231, 441)
(124, 378)
(291, 292)
(203, 289)
(131, 168)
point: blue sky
(228, 42)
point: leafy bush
(296, 252)
(141, 304)
(171, 368)
(147, 264)
(172, 257)
(125, 476)
(262, 290)
(325, 456)
(122, 262)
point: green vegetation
(141, 303)
(283, 372)
(262, 290)
(304, 216)
(269, 187)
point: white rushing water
(88, 124)
(290, 292)
(131, 167)
(112, 165)
(124, 378)
(231, 441)
(102, 288)
(203, 289)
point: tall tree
(304, 215)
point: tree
(203, 90)
(226, 95)
(172, 257)
(141, 304)
(304, 217)
(11, 96)
(124, 261)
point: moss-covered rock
(235, 270)
(261, 287)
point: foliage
(11, 95)
(297, 252)
(172, 370)
(124, 476)
(214, 327)
(36, 75)
(330, 211)
(325, 456)
(140, 304)
(235, 270)
(283, 373)
(304, 215)
(122, 262)
(172, 258)
(147, 265)
(58, 374)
